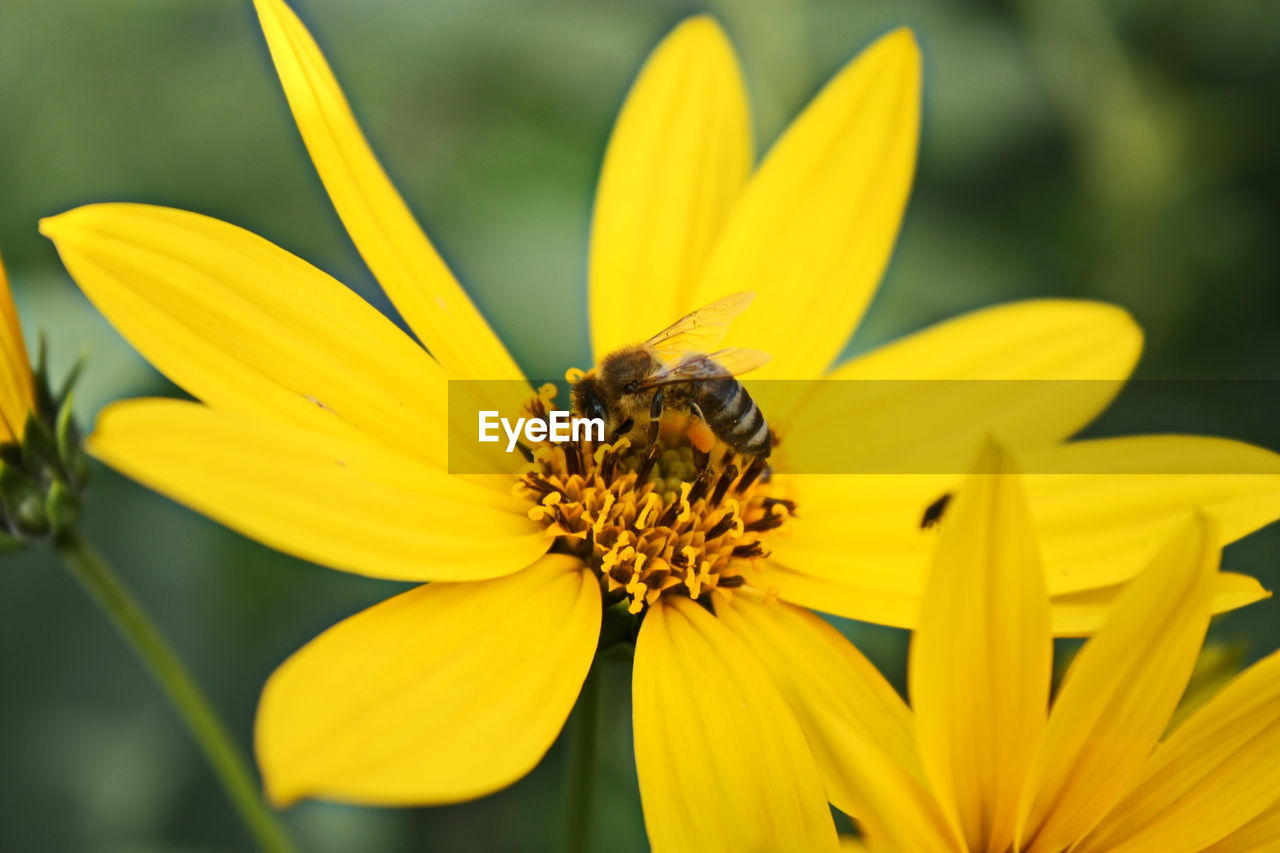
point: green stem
(210, 734)
(582, 763)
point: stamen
(722, 485)
(726, 523)
(659, 519)
(646, 466)
(768, 522)
(770, 503)
(678, 510)
(701, 485)
(572, 458)
(749, 476)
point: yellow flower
(982, 763)
(322, 432)
(17, 386)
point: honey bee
(675, 369)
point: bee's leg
(702, 439)
(655, 429)
(655, 417)
(623, 429)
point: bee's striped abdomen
(733, 416)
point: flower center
(684, 526)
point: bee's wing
(698, 367)
(702, 330)
(738, 361)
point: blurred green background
(1121, 150)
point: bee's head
(588, 397)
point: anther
(749, 476)
(608, 465)
(723, 526)
(572, 459)
(677, 507)
(646, 465)
(768, 522)
(539, 484)
(726, 478)
(770, 503)
(560, 517)
(700, 485)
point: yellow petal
(1078, 614)
(444, 693)
(376, 217)
(249, 328)
(679, 155)
(1120, 692)
(1260, 835)
(862, 532)
(877, 605)
(1096, 530)
(1036, 339)
(1032, 373)
(814, 229)
(350, 504)
(982, 656)
(723, 764)
(869, 844)
(1217, 772)
(1072, 615)
(17, 392)
(859, 729)
(1104, 506)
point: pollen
(687, 523)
